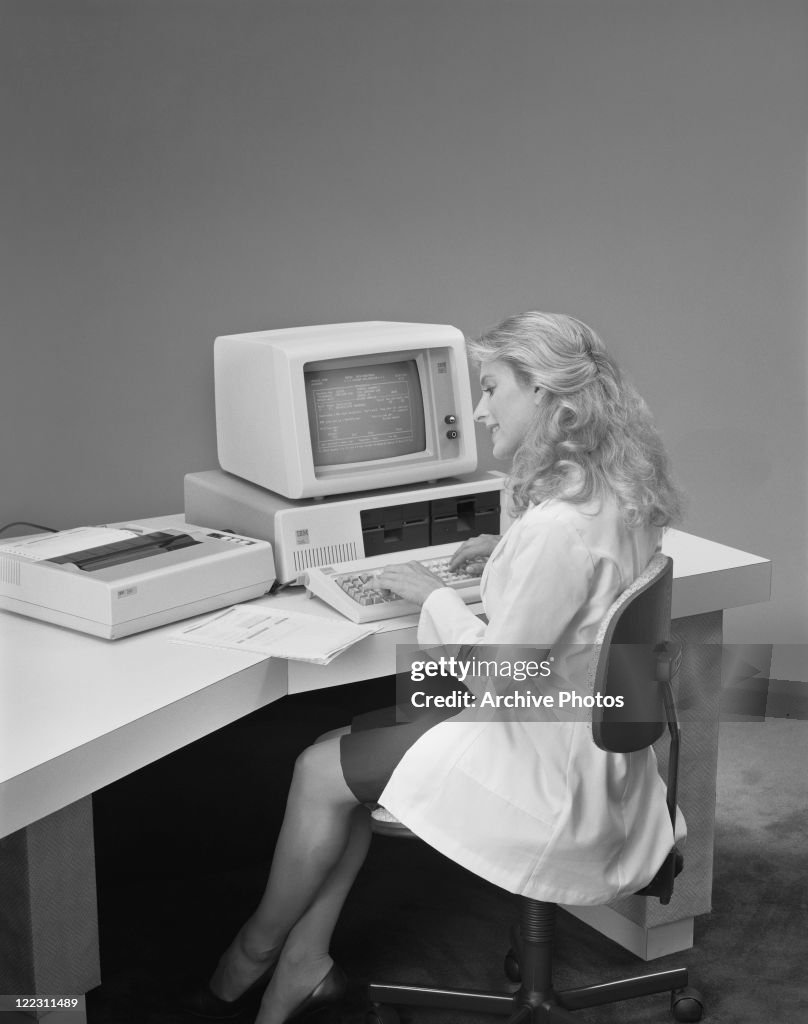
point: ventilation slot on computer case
(333, 553)
(10, 571)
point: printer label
(233, 538)
(126, 592)
(302, 536)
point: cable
(35, 526)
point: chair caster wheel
(380, 1014)
(687, 1004)
(511, 967)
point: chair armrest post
(669, 658)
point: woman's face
(507, 407)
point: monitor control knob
(451, 418)
(451, 434)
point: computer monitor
(338, 408)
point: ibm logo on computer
(302, 537)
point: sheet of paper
(275, 634)
(65, 542)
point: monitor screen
(358, 413)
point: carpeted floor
(182, 855)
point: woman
(553, 816)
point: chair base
(536, 1001)
(533, 1007)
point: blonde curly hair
(592, 434)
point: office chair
(635, 659)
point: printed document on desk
(275, 634)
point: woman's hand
(475, 550)
(409, 580)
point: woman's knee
(318, 772)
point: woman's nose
(479, 410)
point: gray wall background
(177, 169)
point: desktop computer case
(314, 532)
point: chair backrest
(631, 634)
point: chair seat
(386, 824)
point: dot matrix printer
(112, 581)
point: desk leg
(643, 940)
(48, 910)
(643, 925)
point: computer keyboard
(347, 585)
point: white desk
(78, 712)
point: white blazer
(535, 806)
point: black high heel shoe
(203, 1001)
(331, 989)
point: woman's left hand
(409, 580)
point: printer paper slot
(121, 552)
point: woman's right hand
(476, 550)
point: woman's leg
(319, 829)
(305, 959)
